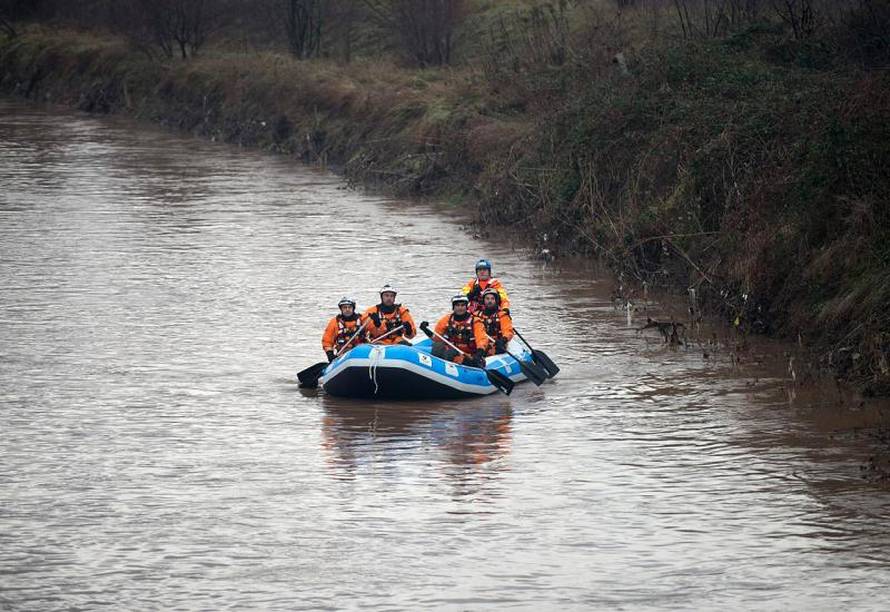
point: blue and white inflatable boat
(410, 372)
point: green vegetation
(745, 157)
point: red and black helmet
(494, 292)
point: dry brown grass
(751, 167)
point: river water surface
(158, 295)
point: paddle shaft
(500, 382)
(478, 318)
(348, 342)
(493, 341)
(516, 331)
(540, 357)
(389, 333)
(526, 369)
(313, 373)
(443, 339)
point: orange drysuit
(467, 335)
(339, 331)
(475, 287)
(388, 322)
(498, 325)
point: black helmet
(460, 299)
(346, 301)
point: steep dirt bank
(733, 168)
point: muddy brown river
(158, 295)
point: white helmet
(387, 288)
(346, 301)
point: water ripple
(159, 294)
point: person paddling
(462, 330)
(386, 316)
(341, 329)
(473, 289)
(496, 321)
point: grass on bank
(750, 166)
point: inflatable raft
(410, 372)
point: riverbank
(751, 169)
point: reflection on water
(159, 295)
(463, 436)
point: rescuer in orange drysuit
(483, 281)
(387, 316)
(462, 330)
(341, 329)
(496, 321)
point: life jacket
(498, 325)
(460, 333)
(474, 288)
(347, 329)
(400, 316)
(491, 321)
(393, 321)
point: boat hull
(402, 372)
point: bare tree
(802, 15)
(713, 18)
(342, 19)
(175, 25)
(303, 25)
(6, 25)
(426, 27)
(12, 11)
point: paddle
(389, 333)
(309, 377)
(540, 357)
(500, 381)
(532, 371)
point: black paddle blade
(540, 357)
(533, 372)
(503, 384)
(545, 362)
(309, 376)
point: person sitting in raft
(464, 331)
(497, 321)
(386, 316)
(341, 329)
(483, 281)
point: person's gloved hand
(479, 357)
(406, 328)
(375, 318)
(500, 345)
(331, 355)
(425, 328)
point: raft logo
(425, 359)
(451, 369)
